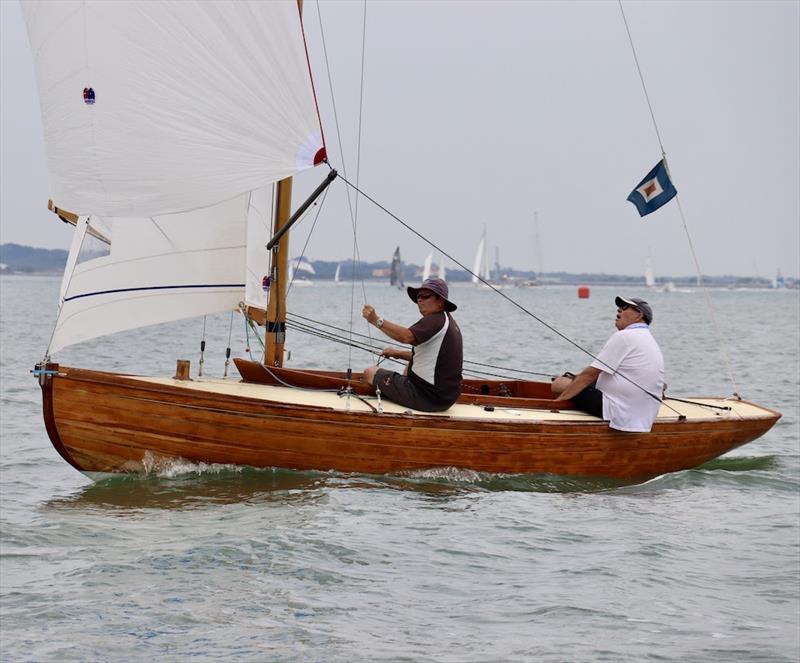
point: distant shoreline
(19, 260)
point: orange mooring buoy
(583, 292)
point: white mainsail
(169, 122)
(194, 102)
(426, 268)
(442, 270)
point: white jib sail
(259, 227)
(157, 107)
(159, 269)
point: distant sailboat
(336, 276)
(426, 268)
(649, 278)
(442, 270)
(480, 267)
(300, 265)
(396, 274)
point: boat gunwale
(144, 382)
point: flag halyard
(654, 191)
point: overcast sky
(485, 113)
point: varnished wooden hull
(103, 422)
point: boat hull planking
(104, 422)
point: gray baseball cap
(643, 306)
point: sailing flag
(653, 191)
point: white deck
(325, 399)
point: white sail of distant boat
(480, 267)
(337, 275)
(442, 271)
(649, 278)
(426, 268)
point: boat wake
(169, 468)
(489, 482)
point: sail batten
(191, 103)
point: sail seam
(156, 287)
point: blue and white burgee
(655, 190)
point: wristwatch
(379, 323)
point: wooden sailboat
(167, 209)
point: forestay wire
(358, 179)
(699, 272)
(356, 260)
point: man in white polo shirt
(624, 384)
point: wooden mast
(279, 263)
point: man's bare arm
(582, 380)
(394, 331)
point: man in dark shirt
(432, 381)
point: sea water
(224, 563)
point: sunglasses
(421, 296)
(625, 307)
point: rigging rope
(356, 260)
(202, 350)
(308, 239)
(374, 349)
(358, 179)
(699, 272)
(228, 349)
